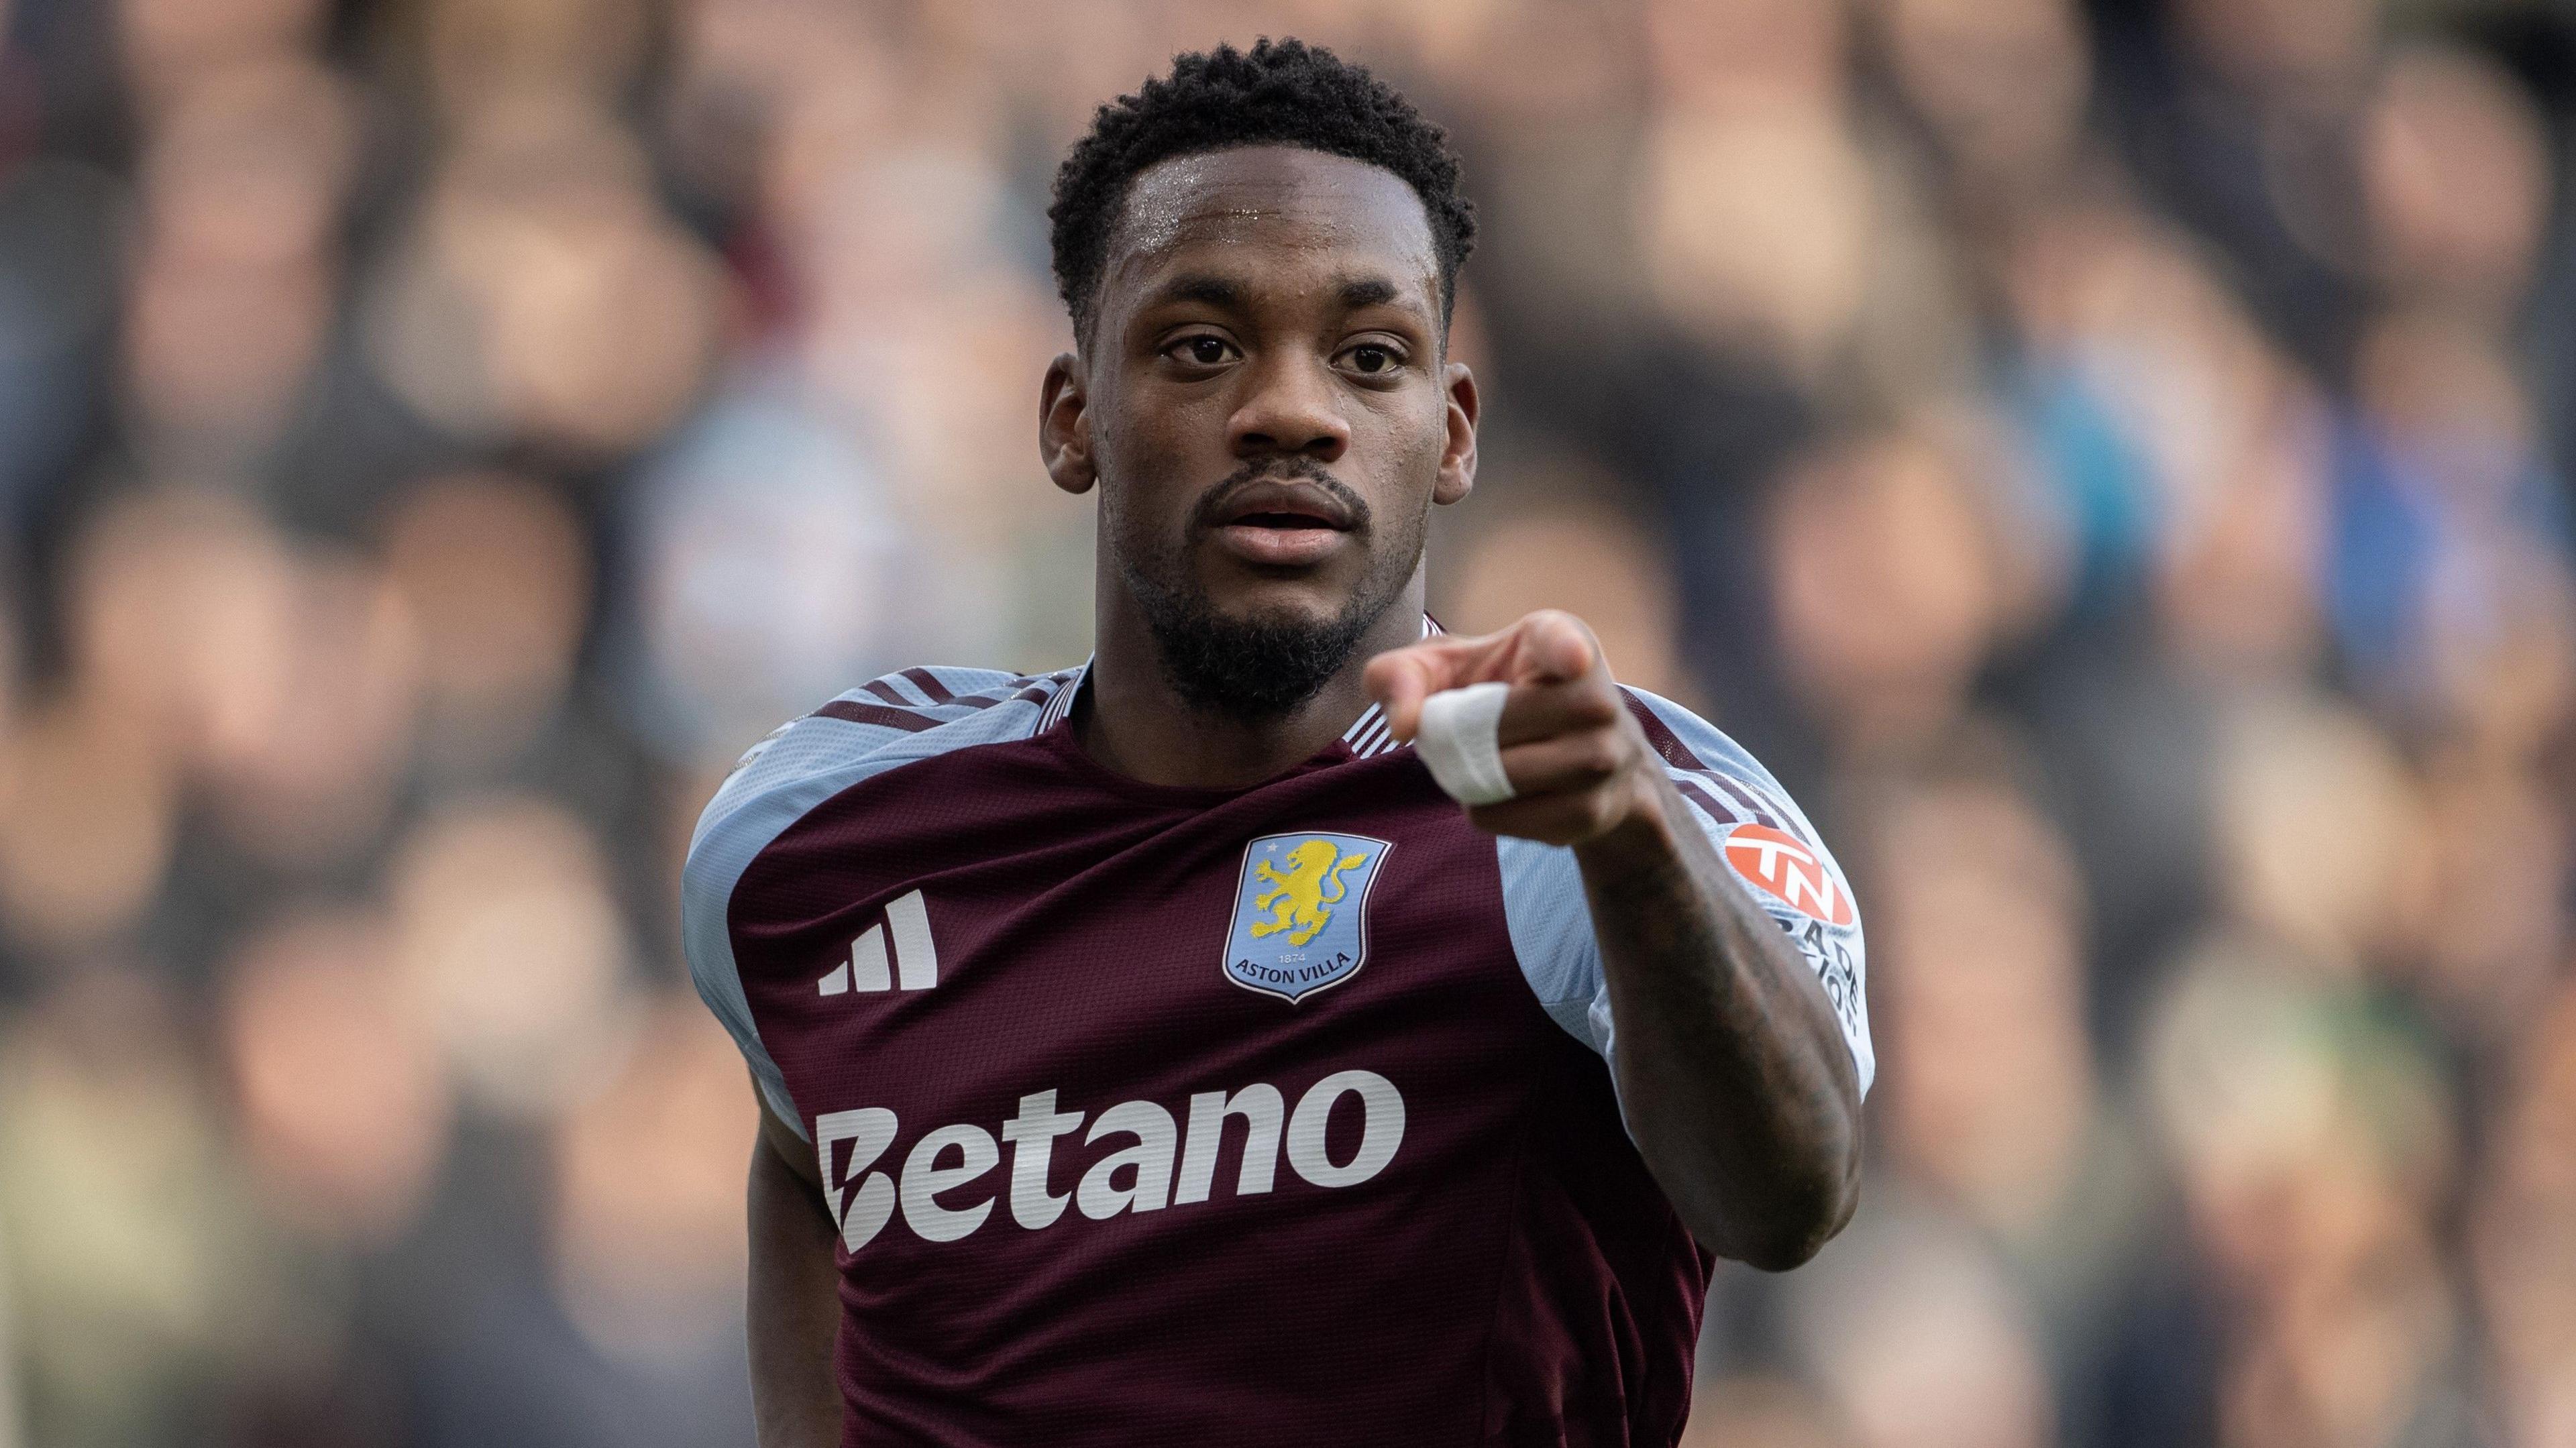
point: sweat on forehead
(1293, 200)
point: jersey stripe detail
(1059, 699)
(1367, 734)
(1678, 756)
(1724, 764)
(1745, 805)
(1749, 804)
(889, 706)
(853, 712)
(1375, 739)
(1690, 786)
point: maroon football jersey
(1277, 1115)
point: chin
(1278, 602)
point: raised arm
(795, 1304)
(1732, 1069)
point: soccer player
(1156, 1051)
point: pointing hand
(1578, 764)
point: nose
(1293, 409)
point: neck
(1134, 722)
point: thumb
(1400, 679)
(1556, 647)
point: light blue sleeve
(719, 851)
(1727, 791)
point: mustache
(1212, 503)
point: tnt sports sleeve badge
(1782, 866)
(1300, 921)
(1809, 899)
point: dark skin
(794, 1306)
(1261, 306)
(1272, 310)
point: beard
(1257, 667)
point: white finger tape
(1461, 741)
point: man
(1153, 1052)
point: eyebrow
(1227, 295)
(1214, 291)
(1368, 292)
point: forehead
(1272, 207)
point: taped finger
(1460, 741)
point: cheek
(1133, 451)
(1164, 447)
(1147, 472)
(1433, 439)
(1412, 444)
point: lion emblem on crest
(1301, 899)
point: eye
(1372, 359)
(1205, 349)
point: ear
(1064, 425)
(1458, 456)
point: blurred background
(2110, 458)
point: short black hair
(1279, 93)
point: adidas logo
(916, 960)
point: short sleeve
(881, 725)
(719, 850)
(1760, 834)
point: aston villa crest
(1301, 912)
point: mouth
(1286, 523)
(1284, 506)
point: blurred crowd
(2109, 459)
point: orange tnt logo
(1790, 871)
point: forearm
(1733, 1073)
(795, 1308)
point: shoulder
(880, 726)
(1715, 772)
(876, 728)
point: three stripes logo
(915, 961)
